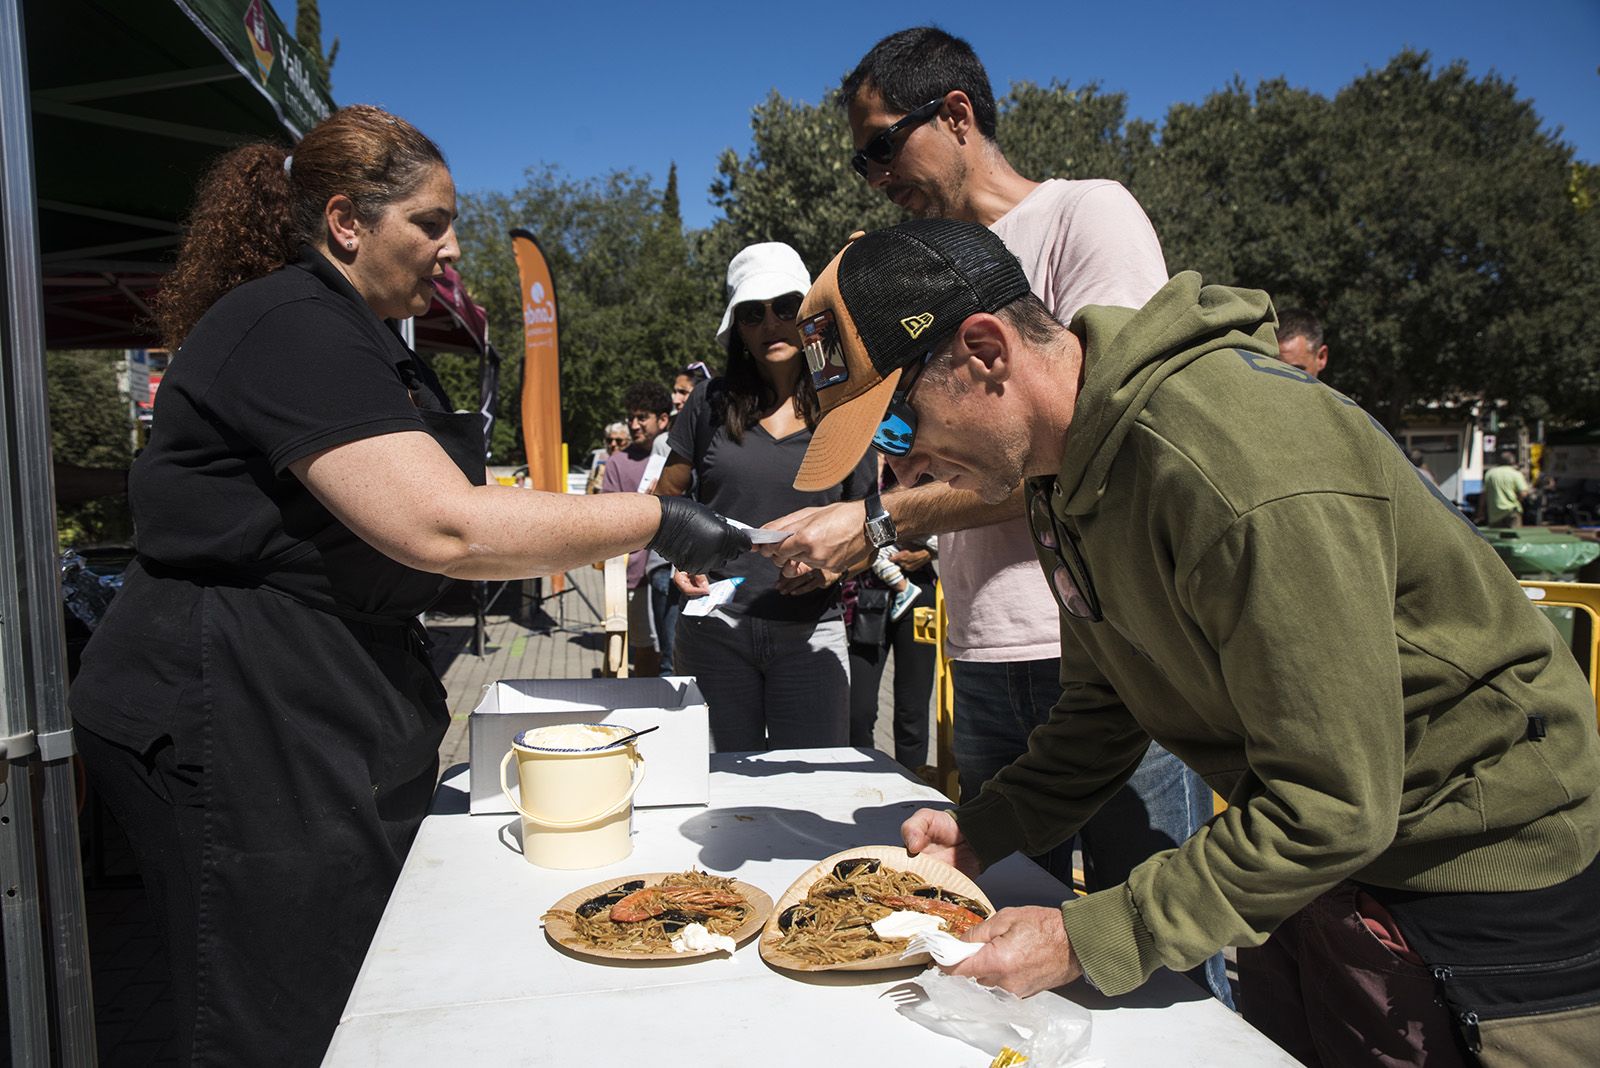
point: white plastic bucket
(577, 800)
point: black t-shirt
(277, 369)
(753, 481)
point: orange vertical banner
(541, 366)
(541, 369)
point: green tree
(308, 33)
(1061, 132)
(1422, 214)
(795, 185)
(634, 302)
(1457, 262)
(89, 427)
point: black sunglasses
(1069, 578)
(897, 430)
(754, 312)
(881, 148)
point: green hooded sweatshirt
(1309, 625)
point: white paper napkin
(721, 593)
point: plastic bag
(1044, 1031)
(87, 595)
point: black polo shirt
(279, 368)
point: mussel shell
(675, 920)
(603, 902)
(796, 915)
(853, 865)
(837, 893)
(941, 894)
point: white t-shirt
(1080, 243)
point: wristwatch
(880, 525)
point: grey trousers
(768, 684)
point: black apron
(320, 739)
(304, 717)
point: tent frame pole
(38, 733)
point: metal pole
(31, 637)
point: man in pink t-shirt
(922, 115)
(649, 411)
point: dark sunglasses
(754, 312)
(881, 148)
(1069, 577)
(897, 430)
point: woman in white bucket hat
(772, 661)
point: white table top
(460, 971)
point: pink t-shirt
(1080, 243)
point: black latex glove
(695, 539)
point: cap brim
(843, 435)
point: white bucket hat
(761, 272)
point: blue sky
(592, 87)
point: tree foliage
(796, 184)
(89, 427)
(634, 301)
(1449, 244)
(1421, 213)
(308, 34)
(1061, 132)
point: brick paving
(559, 637)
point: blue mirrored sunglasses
(897, 430)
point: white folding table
(460, 971)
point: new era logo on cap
(916, 324)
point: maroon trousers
(1336, 985)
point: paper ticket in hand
(721, 593)
(652, 471)
(762, 537)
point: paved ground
(560, 638)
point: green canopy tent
(109, 111)
(130, 102)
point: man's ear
(958, 114)
(981, 341)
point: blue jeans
(665, 604)
(769, 684)
(999, 704)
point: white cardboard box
(676, 757)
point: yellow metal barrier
(1585, 597)
(928, 626)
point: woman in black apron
(259, 708)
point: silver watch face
(880, 530)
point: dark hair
(1031, 319)
(251, 213)
(697, 372)
(649, 397)
(1027, 315)
(1297, 322)
(912, 67)
(738, 398)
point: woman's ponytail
(241, 229)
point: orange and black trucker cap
(888, 299)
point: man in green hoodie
(1414, 777)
